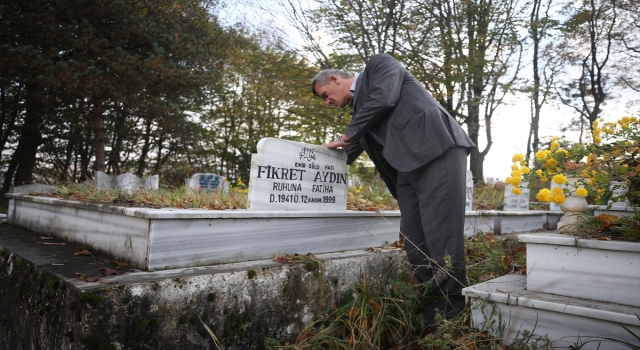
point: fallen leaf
(110, 272)
(486, 276)
(372, 250)
(81, 275)
(108, 282)
(94, 278)
(281, 259)
(117, 262)
(398, 244)
(84, 253)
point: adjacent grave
(37, 188)
(469, 191)
(516, 202)
(208, 182)
(289, 175)
(127, 182)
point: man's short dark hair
(323, 78)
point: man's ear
(335, 79)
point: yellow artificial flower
(518, 157)
(525, 170)
(514, 167)
(507, 180)
(515, 181)
(551, 163)
(559, 198)
(559, 179)
(544, 195)
(585, 173)
(539, 172)
(543, 179)
(581, 192)
(516, 173)
(554, 146)
(541, 155)
(516, 191)
(556, 190)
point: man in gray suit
(421, 153)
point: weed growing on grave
(389, 316)
(488, 197)
(582, 343)
(605, 226)
(182, 197)
(367, 317)
(371, 197)
(489, 256)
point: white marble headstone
(468, 206)
(208, 182)
(38, 188)
(127, 182)
(514, 202)
(289, 175)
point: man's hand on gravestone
(335, 144)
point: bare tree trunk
(30, 137)
(142, 162)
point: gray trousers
(432, 205)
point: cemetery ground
(372, 313)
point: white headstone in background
(469, 191)
(127, 182)
(289, 175)
(37, 188)
(514, 202)
(207, 182)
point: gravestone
(468, 206)
(289, 175)
(37, 188)
(516, 202)
(127, 182)
(208, 182)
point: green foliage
(93, 300)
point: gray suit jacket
(395, 106)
